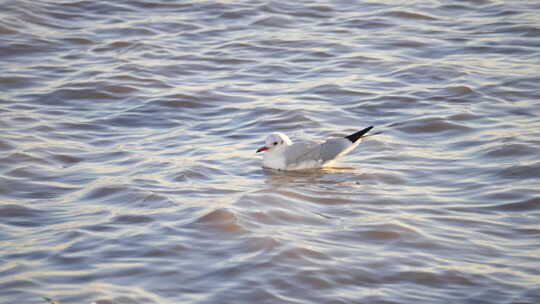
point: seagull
(282, 154)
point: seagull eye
(275, 143)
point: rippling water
(129, 130)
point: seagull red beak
(262, 149)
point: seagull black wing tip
(356, 136)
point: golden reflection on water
(314, 176)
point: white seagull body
(282, 154)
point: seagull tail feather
(356, 136)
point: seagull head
(275, 142)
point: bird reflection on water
(321, 176)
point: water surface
(128, 171)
